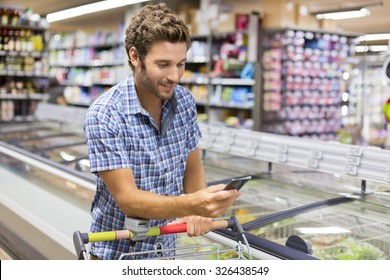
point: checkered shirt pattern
(121, 134)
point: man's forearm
(194, 175)
(148, 205)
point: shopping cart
(139, 229)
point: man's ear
(134, 57)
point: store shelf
(24, 27)
(23, 69)
(36, 96)
(23, 53)
(88, 63)
(303, 82)
(233, 82)
(215, 75)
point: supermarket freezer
(334, 197)
(344, 225)
(42, 202)
(50, 189)
(328, 211)
(59, 191)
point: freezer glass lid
(50, 142)
(67, 154)
(10, 127)
(26, 135)
(351, 230)
(262, 197)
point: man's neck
(152, 105)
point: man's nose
(174, 74)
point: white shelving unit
(222, 76)
(88, 63)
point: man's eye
(162, 65)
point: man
(143, 138)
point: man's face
(162, 69)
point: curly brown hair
(155, 23)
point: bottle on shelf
(15, 18)
(5, 15)
(5, 39)
(23, 63)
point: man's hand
(211, 202)
(196, 225)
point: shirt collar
(131, 103)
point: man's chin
(166, 95)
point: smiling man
(143, 136)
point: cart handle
(179, 228)
(80, 239)
(128, 234)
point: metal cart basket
(138, 229)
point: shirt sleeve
(105, 146)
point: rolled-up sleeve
(105, 146)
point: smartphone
(237, 183)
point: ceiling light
(90, 8)
(344, 14)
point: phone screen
(237, 183)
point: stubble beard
(149, 84)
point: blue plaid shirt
(121, 134)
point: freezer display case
(285, 217)
(39, 144)
(344, 226)
(342, 232)
(328, 200)
(74, 156)
(22, 135)
(305, 201)
(41, 202)
(50, 141)
(67, 154)
(11, 127)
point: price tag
(221, 147)
(387, 176)
(231, 133)
(282, 149)
(215, 130)
(227, 140)
(316, 154)
(353, 161)
(251, 148)
(207, 141)
(350, 170)
(281, 157)
(313, 163)
(356, 151)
